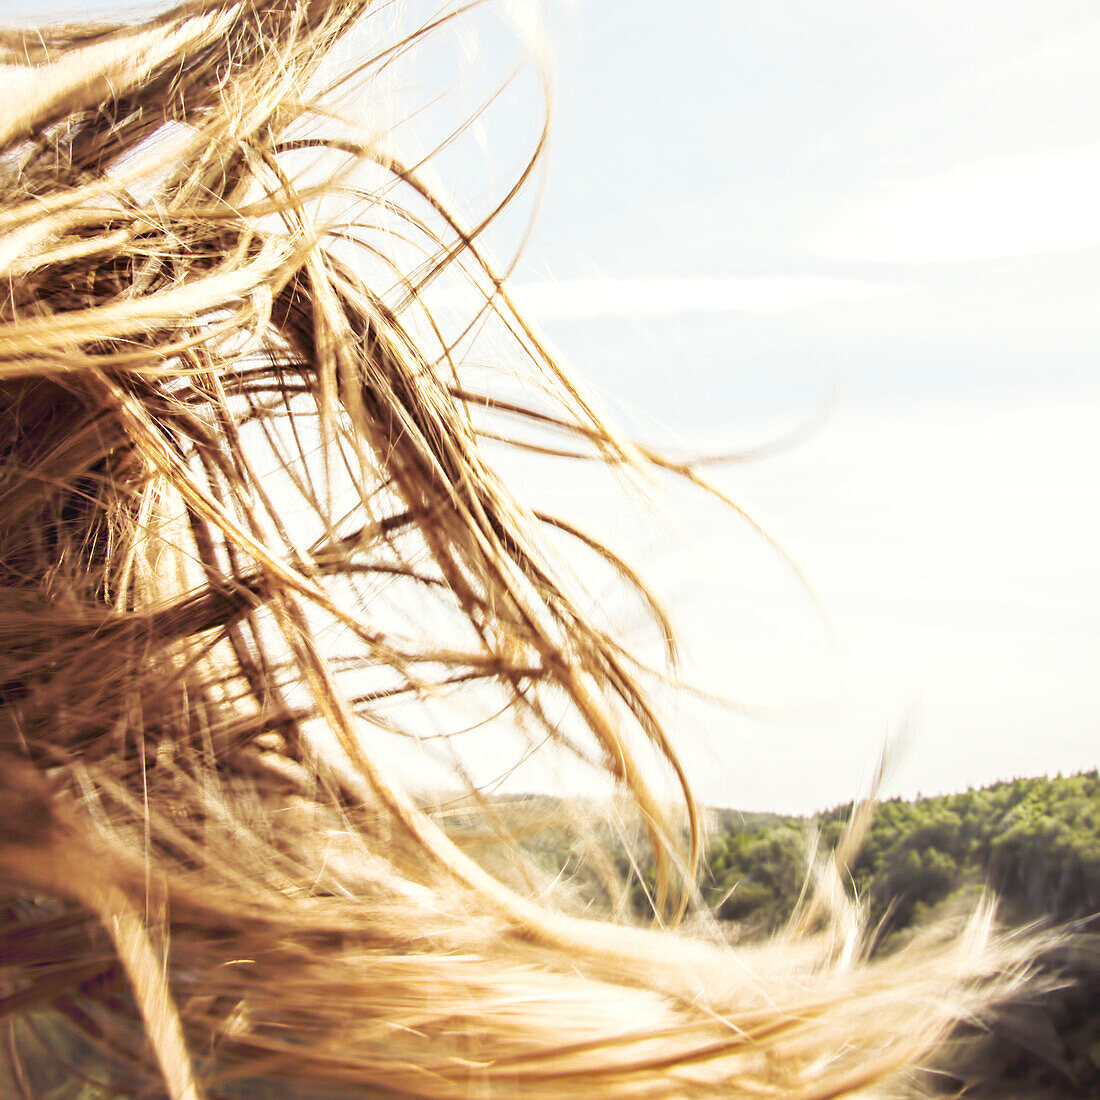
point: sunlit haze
(901, 198)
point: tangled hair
(252, 542)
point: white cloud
(581, 298)
(991, 209)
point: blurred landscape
(1034, 843)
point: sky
(749, 205)
(881, 218)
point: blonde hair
(226, 445)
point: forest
(1035, 843)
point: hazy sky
(749, 201)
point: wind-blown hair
(252, 534)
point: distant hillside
(1035, 842)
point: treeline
(1034, 842)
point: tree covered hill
(1035, 842)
